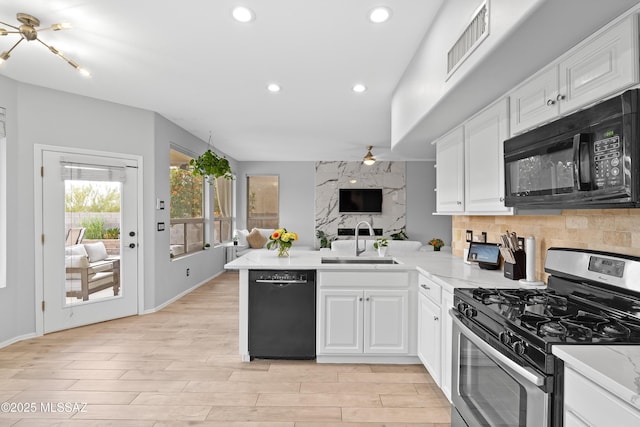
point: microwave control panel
(607, 162)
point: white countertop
(616, 368)
(448, 270)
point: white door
(429, 336)
(341, 328)
(386, 321)
(450, 172)
(90, 239)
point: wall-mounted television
(360, 200)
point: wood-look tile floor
(180, 366)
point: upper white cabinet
(600, 67)
(450, 172)
(484, 135)
(470, 166)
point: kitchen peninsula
(367, 312)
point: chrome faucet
(371, 233)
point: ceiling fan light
(84, 72)
(61, 26)
(3, 32)
(243, 14)
(4, 56)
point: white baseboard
(180, 295)
(375, 359)
(16, 339)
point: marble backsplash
(331, 176)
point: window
(262, 202)
(222, 210)
(3, 200)
(186, 206)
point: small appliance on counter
(487, 255)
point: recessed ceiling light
(380, 14)
(359, 88)
(243, 14)
(273, 87)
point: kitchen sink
(357, 260)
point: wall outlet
(188, 271)
(484, 236)
(469, 236)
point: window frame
(185, 222)
(248, 202)
(217, 222)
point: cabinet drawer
(429, 288)
(584, 400)
(364, 278)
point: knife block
(518, 270)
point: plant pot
(382, 251)
(436, 248)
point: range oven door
(489, 389)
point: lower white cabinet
(429, 332)
(588, 404)
(435, 331)
(369, 321)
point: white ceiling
(193, 64)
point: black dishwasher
(282, 314)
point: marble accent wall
(390, 176)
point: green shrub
(94, 227)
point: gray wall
(296, 195)
(37, 115)
(422, 225)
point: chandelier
(28, 31)
(368, 158)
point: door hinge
(41, 170)
(42, 238)
(42, 305)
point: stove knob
(470, 312)
(504, 338)
(519, 347)
(461, 307)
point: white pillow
(242, 237)
(75, 250)
(96, 251)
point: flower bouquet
(282, 239)
(436, 243)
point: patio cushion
(75, 250)
(96, 251)
(76, 261)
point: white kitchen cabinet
(385, 325)
(362, 313)
(341, 328)
(484, 135)
(429, 340)
(447, 343)
(588, 404)
(450, 172)
(364, 321)
(435, 331)
(601, 66)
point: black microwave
(588, 159)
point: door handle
(132, 245)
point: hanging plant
(211, 166)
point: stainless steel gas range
(504, 373)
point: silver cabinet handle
(368, 298)
(459, 202)
(560, 97)
(360, 298)
(436, 318)
(502, 199)
(550, 102)
(423, 286)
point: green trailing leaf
(211, 166)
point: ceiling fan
(28, 31)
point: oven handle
(527, 373)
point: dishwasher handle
(286, 282)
